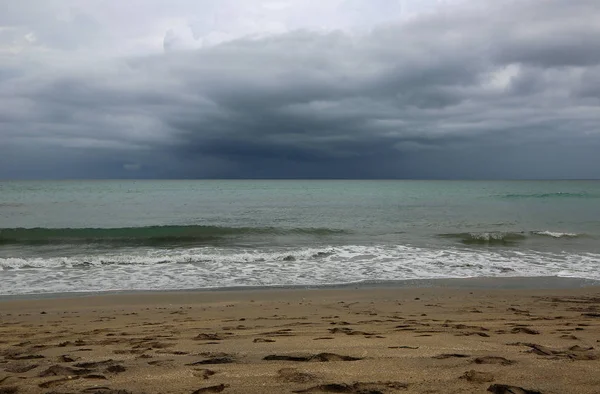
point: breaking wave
(504, 238)
(555, 234)
(148, 236)
(550, 195)
(488, 238)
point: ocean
(95, 236)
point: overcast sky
(299, 89)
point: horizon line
(297, 179)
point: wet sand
(367, 340)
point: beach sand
(364, 340)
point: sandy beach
(366, 340)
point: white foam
(228, 267)
(555, 234)
(487, 236)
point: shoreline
(516, 283)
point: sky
(431, 89)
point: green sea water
(62, 236)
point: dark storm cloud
(499, 89)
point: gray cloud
(480, 90)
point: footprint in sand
(162, 363)
(321, 357)
(506, 389)
(203, 373)
(20, 367)
(591, 314)
(349, 331)
(67, 359)
(356, 388)
(450, 355)
(211, 389)
(477, 376)
(95, 376)
(60, 370)
(286, 332)
(208, 337)
(292, 375)
(20, 356)
(471, 333)
(214, 360)
(493, 360)
(117, 368)
(567, 336)
(56, 382)
(95, 364)
(573, 353)
(524, 330)
(263, 340)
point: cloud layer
(482, 89)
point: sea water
(80, 236)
